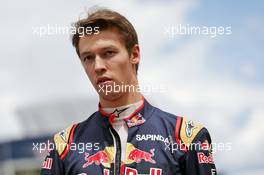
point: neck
(125, 99)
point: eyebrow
(108, 47)
(103, 48)
(85, 53)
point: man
(126, 135)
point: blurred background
(214, 78)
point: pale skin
(106, 62)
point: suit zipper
(117, 145)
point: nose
(99, 65)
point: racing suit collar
(134, 119)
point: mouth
(103, 80)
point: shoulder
(188, 132)
(163, 115)
(64, 138)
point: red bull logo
(133, 155)
(202, 158)
(104, 157)
(153, 171)
(138, 155)
(98, 158)
(135, 120)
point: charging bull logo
(133, 155)
(135, 120)
(98, 158)
(137, 155)
(104, 157)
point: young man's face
(107, 62)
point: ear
(135, 54)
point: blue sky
(244, 45)
(217, 81)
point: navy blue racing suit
(158, 143)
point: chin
(110, 96)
